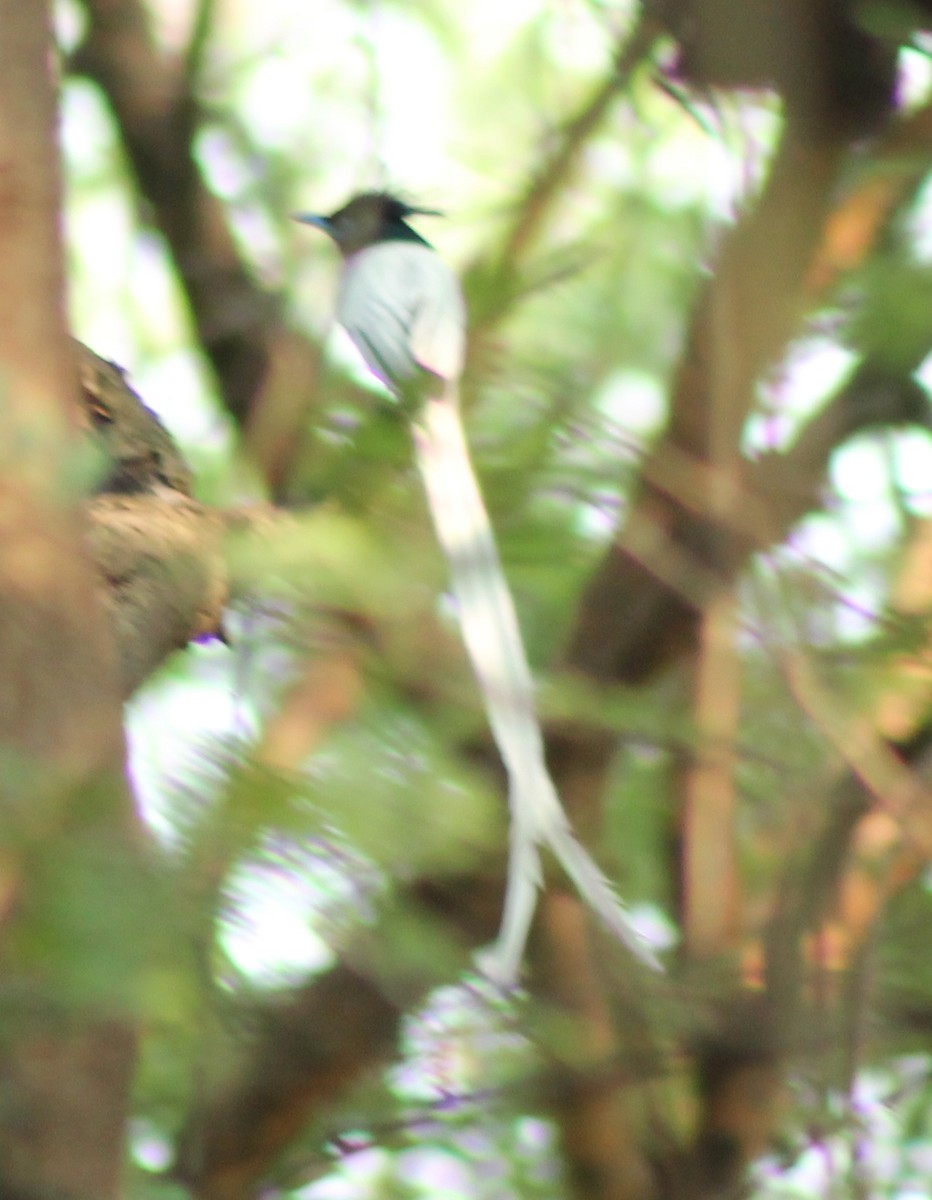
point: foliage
(321, 794)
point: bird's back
(402, 306)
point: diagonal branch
(549, 181)
(267, 373)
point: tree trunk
(66, 823)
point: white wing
(402, 306)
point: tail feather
(597, 890)
(492, 636)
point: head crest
(368, 218)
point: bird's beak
(313, 219)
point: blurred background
(695, 238)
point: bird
(399, 302)
(403, 307)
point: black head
(368, 218)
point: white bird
(403, 308)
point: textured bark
(65, 1061)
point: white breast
(402, 306)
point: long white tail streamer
(493, 641)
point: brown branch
(304, 1058)
(161, 557)
(267, 373)
(157, 120)
(881, 805)
(163, 573)
(546, 186)
(326, 694)
(140, 454)
(606, 1158)
(628, 626)
(898, 164)
(202, 24)
(711, 897)
(554, 174)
